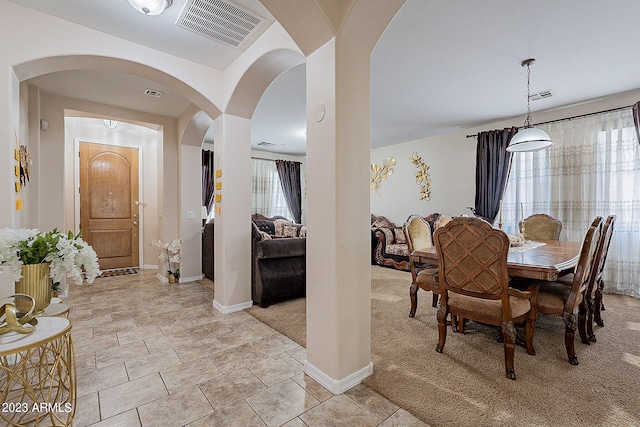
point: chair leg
(590, 314)
(583, 309)
(413, 293)
(599, 305)
(509, 335)
(569, 337)
(530, 327)
(434, 302)
(442, 328)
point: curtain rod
(571, 118)
(273, 160)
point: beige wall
(451, 161)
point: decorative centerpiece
(171, 255)
(39, 261)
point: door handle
(135, 222)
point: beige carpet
(466, 385)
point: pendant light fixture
(529, 138)
(150, 7)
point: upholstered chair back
(417, 233)
(540, 227)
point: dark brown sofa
(278, 264)
(207, 250)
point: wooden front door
(109, 217)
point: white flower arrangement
(66, 254)
(170, 255)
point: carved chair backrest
(601, 255)
(582, 271)
(472, 258)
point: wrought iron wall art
(380, 173)
(422, 176)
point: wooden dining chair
(565, 297)
(607, 233)
(593, 293)
(540, 227)
(474, 283)
(417, 233)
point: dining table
(542, 260)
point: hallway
(151, 354)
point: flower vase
(36, 283)
(172, 278)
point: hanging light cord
(528, 62)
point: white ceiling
(440, 66)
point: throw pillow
(399, 235)
(289, 231)
(264, 236)
(303, 231)
(279, 225)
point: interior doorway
(109, 216)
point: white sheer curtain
(267, 197)
(592, 170)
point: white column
(338, 242)
(232, 243)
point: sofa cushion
(303, 231)
(266, 226)
(264, 236)
(398, 249)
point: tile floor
(154, 354)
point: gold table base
(37, 381)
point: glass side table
(38, 375)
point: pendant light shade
(150, 7)
(529, 138)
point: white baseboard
(190, 279)
(162, 278)
(149, 267)
(226, 309)
(338, 386)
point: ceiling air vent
(541, 95)
(219, 20)
(154, 93)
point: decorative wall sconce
(422, 177)
(380, 173)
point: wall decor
(380, 173)
(422, 176)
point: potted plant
(171, 255)
(38, 260)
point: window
(592, 170)
(267, 197)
